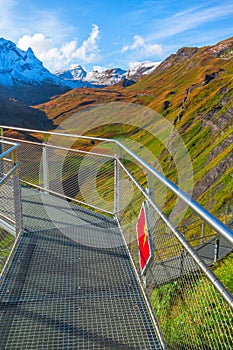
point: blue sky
(112, 33)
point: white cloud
(152, 49)
(138, 42)
(145, 49)
(125, 48)
(38, 42)
(88, 51)
(54, 57)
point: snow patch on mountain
(138, 70)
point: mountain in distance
(107, 77)
(74, 77)
(25, 81)
(75, 73)
(19, 67)
(193, 89)
(23, 76)
(78, 77)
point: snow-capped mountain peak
(77, 76)
(75, 73)
(106, 77)
(18, 67)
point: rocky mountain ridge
(78, 77)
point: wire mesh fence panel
(30, 157)
(8, 185)
(6, 243)
(86, 178)
(7, 209)
(76, 175)
(190, 312)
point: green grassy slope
(193, 89)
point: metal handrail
(10, 150)
(214, 223)
(63, 148)
(9, 174)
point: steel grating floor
(71, 284)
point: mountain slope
(14, 113)
(193, 89)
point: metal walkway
(71, 284)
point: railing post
(45, 167)
(118, 189)
(151, 186)
(17, 196)
(182, 256)
(115, 184)
(202, 231)
(216, 250)
(1, 150)
(150, 190)
(151, 194)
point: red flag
(144, 242)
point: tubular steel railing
(191, 305)
(10, 199)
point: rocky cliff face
(182, 55)
(223, 49)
